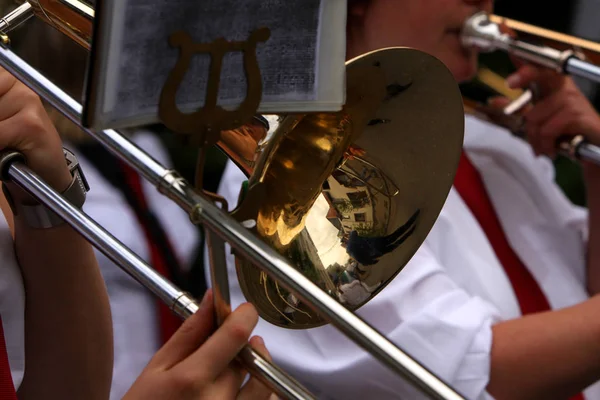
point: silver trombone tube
(578, 148)
(203, 211)
(590, 153)
(583, 151)
(480, 32)
(16, 17)
(583, 69)
(115, 250)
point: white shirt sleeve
(573, 216)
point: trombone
(562, 53)
(74, 18)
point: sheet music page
(288, 60)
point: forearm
(548, 355)
(592, 180)
(68, 338)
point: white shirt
(134, 309)
(441, 307)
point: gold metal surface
(351, 196)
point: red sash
(169, 322)
(470, 186)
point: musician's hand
(26, 127)
(560, 109)
(199, 364)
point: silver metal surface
(218, 274)
(589, 152)
(347, 322)
(271, 375)
(483, 34)
(95, 234)
(583, 69)
(202, 210)
(16, 17)
(180, 302)
(576, 147)
(268, 373)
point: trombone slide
(480, 32)
(576, 147)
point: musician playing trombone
(501, 299)
(55, 322)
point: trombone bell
(349, 197)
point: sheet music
(288, 60)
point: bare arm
(551, 355)
(554, 354)
(68, 331)
(592, 180)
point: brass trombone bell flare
(349, 197)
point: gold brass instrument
(543, 47)
(345, 198)
(353, 208)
